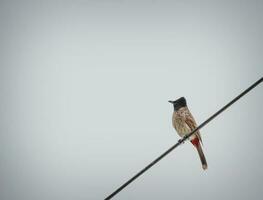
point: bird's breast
(179, 124)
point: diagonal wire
(183, 139)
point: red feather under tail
(196, 143)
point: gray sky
(84, 88)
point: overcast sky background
(84, 87)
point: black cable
(183, 139)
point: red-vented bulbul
(184, 123)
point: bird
(184, 123)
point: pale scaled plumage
(184, 123)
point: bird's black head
(179, 103)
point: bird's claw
(181, 141)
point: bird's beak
(171, 102)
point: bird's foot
(181, 141)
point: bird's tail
(197, 144)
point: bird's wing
(189, 120)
